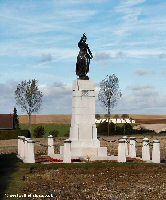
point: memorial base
(87, 152)
(83, 131)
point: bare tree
(109, 93)
(29, 97)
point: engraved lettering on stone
(85, 92)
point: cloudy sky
(38, 39)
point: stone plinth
(67, 151)
(83, 131)
(21, 147)
(126, 145)
(145, 150)
(132, 147)
(122, 150)
(29, 151)
(50, 145)
(156, 151)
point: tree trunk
(108, 121)
(30, 124)
(115, 128)
(124, 129)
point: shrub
(143, 131)
(102, 128)
(54, 133)
(119, 130)
(13, 134)
(39, 132)
(162, 132)
(127, 129)
(115, 129)
(97, 116)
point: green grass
(62, 128)
(8, 167)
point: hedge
(122, 129)
(13, 134)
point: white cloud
(129, 3)
(130, 12)
(57, 98)
(143, 72)
(143, 91)
(130, 9)
(128, 53)
(24, 50)
(143, 99)
(162, 55)
(7, 100)
(46, 57)
(139, 99)
(102, 56)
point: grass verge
(62, 128)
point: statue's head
(84, 38)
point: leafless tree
(109, 93)
(28, 97)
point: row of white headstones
(126, 148)
(27, 154)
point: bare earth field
(66, 119)
(100, 181)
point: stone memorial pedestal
(83, 131)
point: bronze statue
(83, 59)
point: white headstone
(121, 150)
(145, 150)
(118, 121)
(67, 151)
(30, 154)
(19, 146)
(132, 147)
(128, 121)
(22, 142)
(126, 145)
(25, 159)
(156, 151)
(113, 120)
(50, 145)
(123, 120)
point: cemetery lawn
(62, 128)
(101, 181)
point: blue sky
(38, 39)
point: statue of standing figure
(83, 59)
